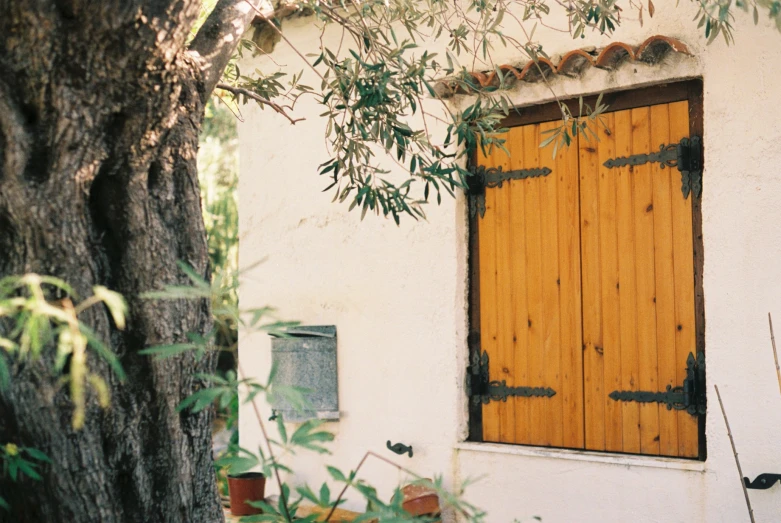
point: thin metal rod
(270, 450)
(775, 352)
(735, 453)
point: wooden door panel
(530, 294)
(586, 286)
(638, 284)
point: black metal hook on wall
(399, 448)
(763, 481)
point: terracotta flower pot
(420, 501)
(250, 486)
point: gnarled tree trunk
(100, 110)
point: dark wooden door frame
(689, 90)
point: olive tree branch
(236, 91)
(220, 35)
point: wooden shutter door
(638, 284)
(529, 293)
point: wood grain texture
(665, 284)
(504, 366)
(609, 253)
(531, 334)
(627, 284)
(593, 346)
(642, 210)
(683, 273)
(534, 287)
(590, 288)
(489, 302)
(516, 191)
(566, 354)
(630, 296)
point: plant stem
(270, 451)
(775, 352)
(735, 453)
(355, 475)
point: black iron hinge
(480, 389)
(689, 397)
(686, 155)
(482, 177)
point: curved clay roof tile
(573, 63)
(614, 54)
(652, 50)
(534, 72)
(656, 47)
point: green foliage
(573, 126)
(41, 313)
(225, 389)
(19, 462)
(218, 176)
(377, 86)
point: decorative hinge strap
(686, 155)
(482, 177)
(689, 397)
(481, 390)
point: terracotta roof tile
(572, 64)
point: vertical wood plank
(519, 284)
(593, 358)
(535, 320)
(571, 377)
(683, 269)
(488, 301)
(627, 284)
(608, 249)
(551, 283)
(503, 366)
(665, 283)
(646, 287)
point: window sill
(625, 460)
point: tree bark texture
(100, 110)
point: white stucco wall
(398, 298)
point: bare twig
(265, 101)
(735, 453)
(270, 451)
(775, 352)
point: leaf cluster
(378, 87)
(38, 313)
(19, 462)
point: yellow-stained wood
(635, 239)
(683, 270)
(593, 353)
(646, 289)
(488, 301)
(570, 385)
(587, 286)
(529, 250)
(519, 284)
(627, 283)
(609, 252)
(551, 281)
(665, 283)
(503, 367)
(538, 408)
